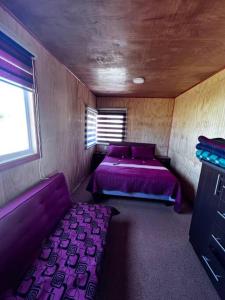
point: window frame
(22, 157)
(125, 124)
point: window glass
(17, 128)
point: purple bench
(51, 249)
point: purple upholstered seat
(65, 264)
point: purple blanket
(69, 263)
(136, 176)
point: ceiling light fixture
(138, 80)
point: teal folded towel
(198, 153)
(222, 162)
(212, 158)
(205, 155)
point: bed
(136, 177)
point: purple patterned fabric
(68, 266)
(157, 181)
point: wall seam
(168, 148)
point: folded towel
(212, 150)
(222, 162)
(212, 158)
(216, 143)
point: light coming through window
(17, 126)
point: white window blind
(90, 127)
(111, 125)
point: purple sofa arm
(24, 224)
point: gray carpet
(149, 256)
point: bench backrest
(24, 224)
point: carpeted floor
(149, 256)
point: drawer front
(213, 268)
(219, 185)
(220, 219)
(217, 246)
(221, 205)
(215, 271)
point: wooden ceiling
(173, 44)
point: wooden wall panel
(149, 119)
(199, 111)
(62, 100)
(173, 44)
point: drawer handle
(206, 260)
(217, 182)
(221, 214)
(218, 243)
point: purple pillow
(142, 152)
(118, 151)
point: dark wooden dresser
(165, 160)
(207, 231)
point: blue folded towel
(215, 151)
(212, 158)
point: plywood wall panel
(199, 111)
(172, 43)
(149, 119)
(62, 100)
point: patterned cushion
(70, 260)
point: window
(111, 125)
(90, 127)
(18, 142)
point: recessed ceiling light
(138, 80)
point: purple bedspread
(136, 179)
(69, 263)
